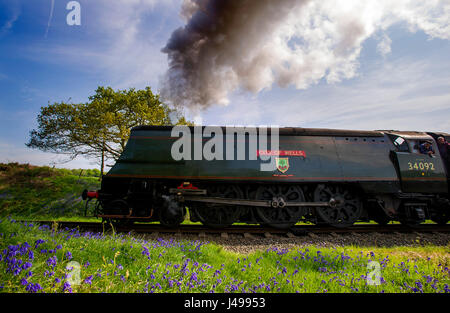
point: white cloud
(400, 94)
(132, 55)
(384, 45)
(243, 110)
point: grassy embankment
(40, 192)
(38, 260)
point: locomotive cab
(446, 162)
(418, 172)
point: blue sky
(405, 86)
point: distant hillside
(41, 191)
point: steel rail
(251, 229)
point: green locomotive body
(336, 177)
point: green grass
(122, 263)
(42, 192)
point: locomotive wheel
(345, 212)
(172, 221)
(280, 217)
(219, 215)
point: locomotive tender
(325, 176)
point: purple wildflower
(33, 287)
(88, 280)
(26, 265)
(38, 242)
(52, 261)
(419, 285)
(67, 287)
(68, 255)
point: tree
(99, 128)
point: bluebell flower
(67, 287)
(38, 242)
(24, 248)
(88, 280)
(26, 265)
(68, 255)
(52, 261)
(33, 287)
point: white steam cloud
(254, 44)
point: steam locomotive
(324, 176)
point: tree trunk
(102, 166)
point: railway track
(246, 230)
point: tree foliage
(99, 128)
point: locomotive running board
(257, 203)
